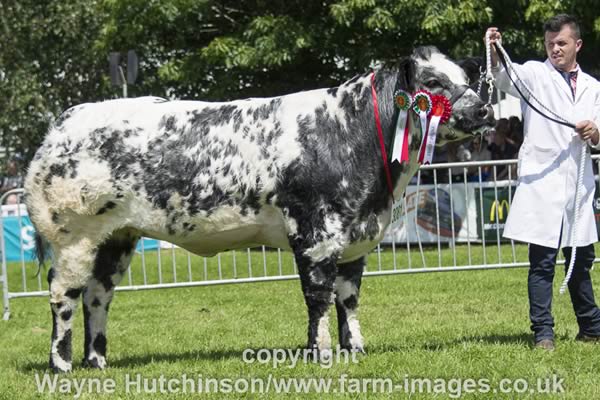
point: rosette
(403, 100)
(422, 102)
(441, 107)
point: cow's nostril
(483, 112)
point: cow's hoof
(60, 366)
(354, 348)
(325, 355)
(94, 363)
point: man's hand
(588, 130)
(495, 36)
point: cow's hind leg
(347, 289)
(111, 262)
(71, 269)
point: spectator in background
(12, 179)
(516, 131)
(457, 152)
(502, 149)
(479, 152)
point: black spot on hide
(108, 206)
(50, 277)
(100, 344)
(58, 170)
(351, 302)
(73, 293)
(66, 315)
(64, 346)
(107, 260)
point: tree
(54, 54)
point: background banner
(451, 212)
(460, 212)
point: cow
(302, 172)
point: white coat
(548, 159)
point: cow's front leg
(347, 289)
(318, 280)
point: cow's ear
(472, 67)
(407, 74)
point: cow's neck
(356, 98)
(385, 85)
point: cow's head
(431, 70)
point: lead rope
(583, 154)
(489, 76)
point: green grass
(461, 325)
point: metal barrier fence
(447, 226)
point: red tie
(573, 80)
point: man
(502, 149)
(542, 210)
(11, 180)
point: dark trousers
(541, 274)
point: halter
(457, 93)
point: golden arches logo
(499, 206)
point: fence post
(4, 276)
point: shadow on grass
(433, 344)
(137, 360)
(518, 339)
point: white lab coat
(549, 157)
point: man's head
(562, 40)
(502, 131)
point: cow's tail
(42, 250)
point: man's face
(562, 48)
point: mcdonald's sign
(498, 206)
(492, 209)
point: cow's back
(173, 170)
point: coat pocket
(536, 161)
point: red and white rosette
(422, 105)
(441, 106)
(403, 101)
(440, 114)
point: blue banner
(19, 242)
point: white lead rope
(582, 159)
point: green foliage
(54, 53)
(47, 63)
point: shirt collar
(573, 71)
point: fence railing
(452, 220)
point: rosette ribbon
(440, 114)
(422, 105)
(403, 101)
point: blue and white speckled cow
(302, 172)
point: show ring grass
(452, 326)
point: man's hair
(556, 23)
